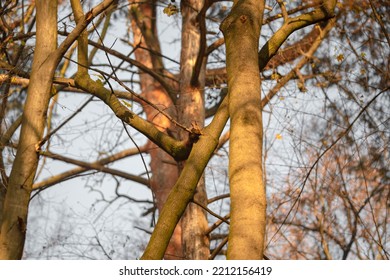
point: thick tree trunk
(184, 189)
(163, 167)
(13, 228)
(191, 111)
(247, 191)
(190, 233)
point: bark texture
(241, 30)
(46, 58)
(163, 167)
(184, 189)
(191, 110)
(14, 225)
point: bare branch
(76, 171)
(96, 166)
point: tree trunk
(247, 191)
(13, 228)
(191, 110)
(163, 167)
(184, 189)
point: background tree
(174, 102)
(344, 188)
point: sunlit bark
(191, 110)
(247, 191)
(184, 189)
(15, 209)
(163, 167)
(46, 59)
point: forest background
(114, 115)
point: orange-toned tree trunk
(163, 167)
(189, 240)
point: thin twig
(341, 135)
(380, 22)
(146, 168)
(216, 224)
(47, 137)
(218, 248)
(96, 166)
(211, 212)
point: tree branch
(177, 149)
(183, 191)
(324, 12)
(96, 166)
(76, 171)
(283, 81)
